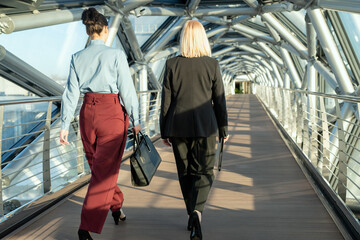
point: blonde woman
(193, 112)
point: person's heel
(196, 233)
(119, 215)
(84, 235)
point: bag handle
(137, 141)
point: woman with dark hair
(193, 112)
(102, 74)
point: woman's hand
(225, 139)
(64, 137)
(137, 129)
(167, 142)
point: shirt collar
(97, 42)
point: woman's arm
(69, 102)
(218, 97)
(165, 100)
(127, 90)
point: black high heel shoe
(118, 215)
(190, 222)
(196, 227)
(84, 235)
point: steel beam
(132, 4)
(251, 50)
(236, 11)
(159, 11)
(273, 32)
(240, 19)
(252, 3)
(331, 51)
(228, 60)
(253, 32)
(132, 40)
(165, 53)
(27, 76)
(234, 40)
(285, 34)
(216, 31)
(277, 74)
(192, 6)
(327, 74)
(343, 5)
(271, 53)
(222, 51)
(291, 67)
(29, 21)
(165, 38)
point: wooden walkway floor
(260, 193)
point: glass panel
(145, 26)
(20, 119)
(351, 23)
(48, 49)
(341, 51)
(297, 18)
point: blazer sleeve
(218, 98)
(165, 100)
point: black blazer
(193, 99)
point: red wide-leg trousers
(103, 126)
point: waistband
(101, 98)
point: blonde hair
(193, 41)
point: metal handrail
(25, 100)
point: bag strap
(137, 141)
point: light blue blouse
(101, 69)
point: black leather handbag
(144, 161)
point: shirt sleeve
(70, 97)
(126, 88)
(218, 97)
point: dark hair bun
(90, 16)
(93, 20)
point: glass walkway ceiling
(298, 59)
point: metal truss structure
(297, 54)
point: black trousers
(195, 158)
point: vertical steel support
(143, 86)
(342, 173)
(79, 153)
(286, 81)
(305, 127)
(1, 130)
(325, 140)
(299, 118)
(158, 105)
(46, 151)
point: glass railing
(41, 165)
(327, 130)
